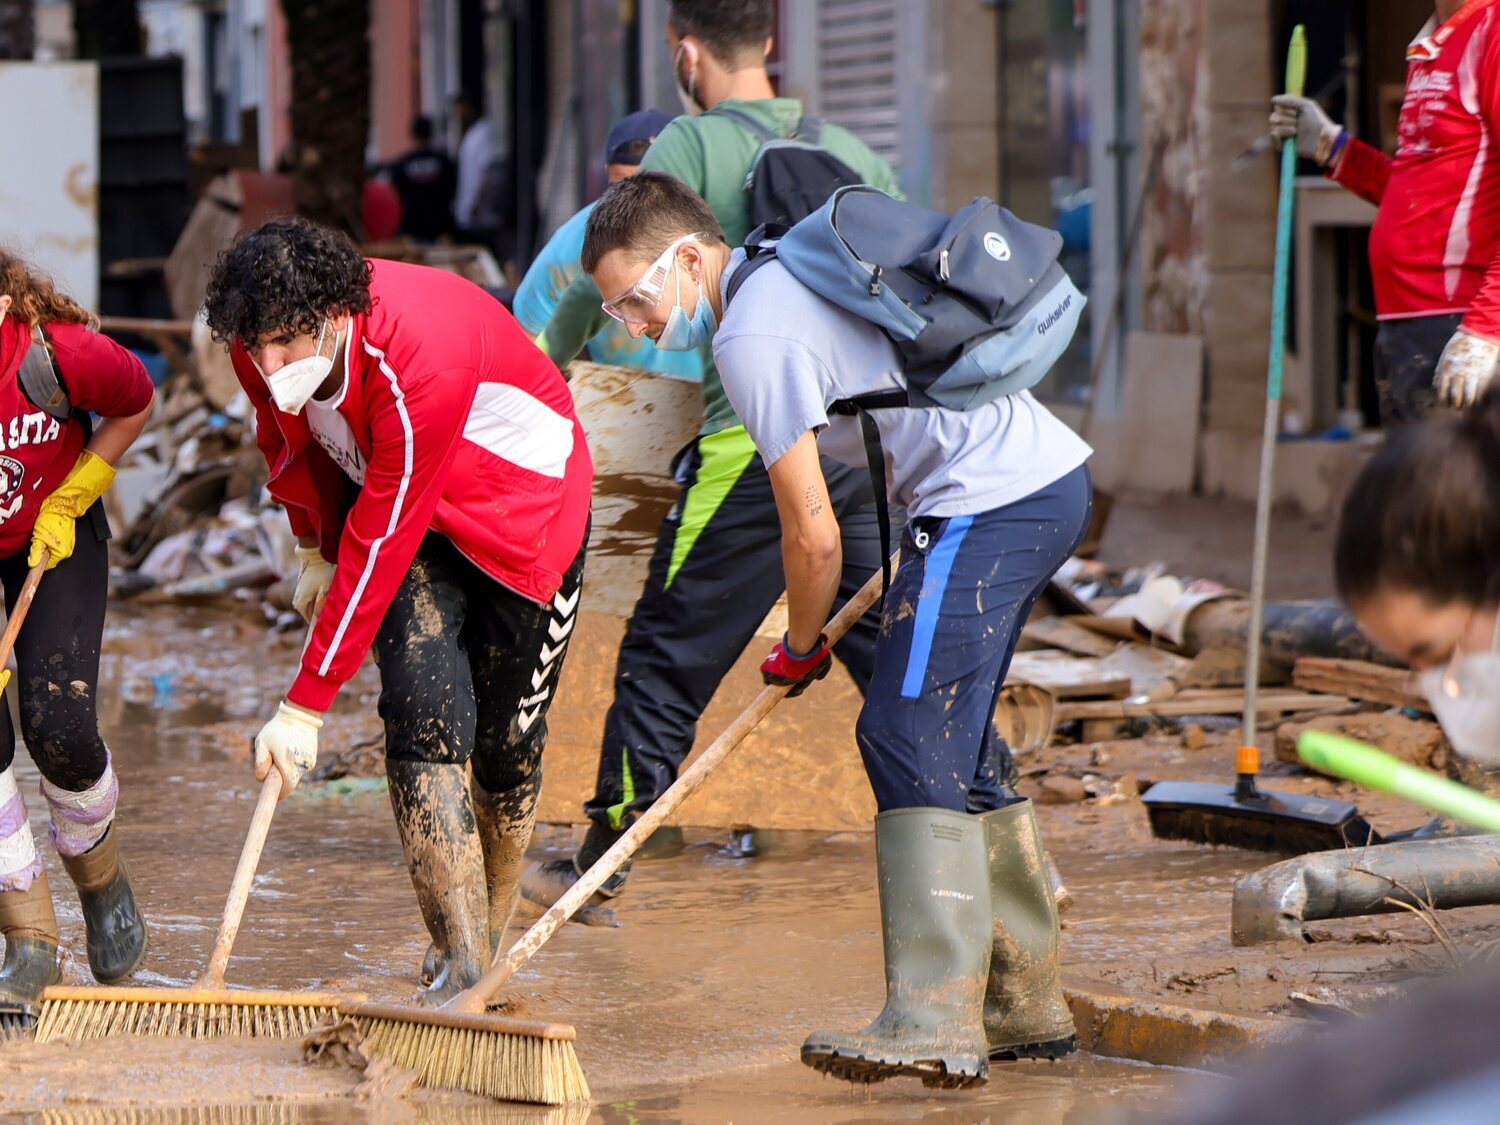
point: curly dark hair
(286, 275)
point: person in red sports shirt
(1433, 247)
(438, 481)
(55, 464)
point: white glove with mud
(1465, 369)
(290, 743)
(313, 581)
(1304, 119)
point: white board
(49, 193)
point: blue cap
(645, 125)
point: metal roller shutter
(857, 71)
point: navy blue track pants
(952, 618)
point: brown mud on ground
(694, 1008)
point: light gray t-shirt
(786, 354)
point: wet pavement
(691, 1010)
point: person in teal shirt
(556, 267)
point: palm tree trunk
(17, 29)
(105, 29)
(329, 41)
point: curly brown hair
(35, 299)
(286, 275)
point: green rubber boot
(936, 922)
(1025, 1014)
(30, 928)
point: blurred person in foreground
(1417, 560)
(556, 267)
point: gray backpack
(975, 302)
(40, 382)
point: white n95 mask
(296, 382)
(1465, 697)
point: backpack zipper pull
(875, 282)
(942, 270)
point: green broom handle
(1296, 80)
(1375, 769)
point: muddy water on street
(692, 1010)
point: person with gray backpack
(875, 321)
(714, 574)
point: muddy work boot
(30, 928)
(936, 921)
(1025, 1014)
(544, 883)
(505, 821)
(115, 929)
(435, 817)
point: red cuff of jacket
(313, 691)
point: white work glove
(290, 743)
(313, 581)
(1304, 119)
(1467, 365)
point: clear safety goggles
(637, 303)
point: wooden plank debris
(1201, 703)
(1359, 679)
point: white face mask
(296, 382)
(1465, 697)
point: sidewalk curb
(1149, 1031)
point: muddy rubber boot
(545, 883)
(505, 821)
(435, 817)
(936, 922)
(30, 928)
(113, 924)
(1025, 1013)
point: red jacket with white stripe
(1434, 243)
(465, 427)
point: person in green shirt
(716, 570)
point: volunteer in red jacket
(1433, 246)
(55, 369)
(438, 482)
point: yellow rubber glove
(88, 480)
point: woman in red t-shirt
(54, 466)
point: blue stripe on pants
(954, 612)
(930, 603)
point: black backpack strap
(859, 407)
(755, 258)
(809, 129)
(762, 134)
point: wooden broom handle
(244, 875)
(23, 603)
(475, 999)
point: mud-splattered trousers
(715, 574)
(1406, 359)
(57, 679)
(954, 613)
(469, 668)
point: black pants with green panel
(715, 574)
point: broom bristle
(155, 1014)
(501, 1063)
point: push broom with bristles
(458, 1046)
(207, 1010)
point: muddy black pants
(1406, 358)
(715, 574)
(57, 661)
(468, 668)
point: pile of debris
(1109, 656)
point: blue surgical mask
(685, 333)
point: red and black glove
(786, 668)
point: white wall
(49, 195)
